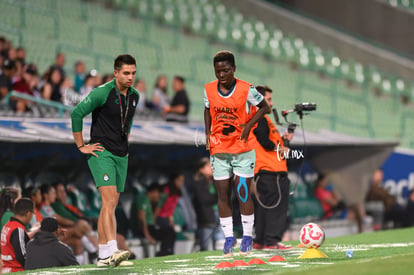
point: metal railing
(58, 106)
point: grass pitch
(385, 252)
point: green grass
(386, 252)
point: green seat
(304, 204)
(94, 199)
(179, 220)
(306, 208)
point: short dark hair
(180, 78)
(30, 191)
(57, 183)
(154, 186)
(49, 224)
(262, 89)
(122, 60)
(45, 188)
(224, 56)
(23, 206)
(8, 196)
(9, 64)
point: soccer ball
(312, 235)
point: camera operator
(272, 184)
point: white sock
(247, 222)
(88, 245)
(104, 251)
(113, 246)
(80, 258)
(227, 225)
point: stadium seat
(303, 205)
(195, 30)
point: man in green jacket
(112, 106)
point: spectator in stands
(68, 94)
(80, 74)
(168, 201)
(107, 77)
(76, 232)
(14, 237)
(271, 194)
(33, 193)
(11, 54)
(61, 206)
(409, 210)
(51, 89)
(180, 104)
(7, 45)
(45, 249)
(59, 64)
(89, 204)
(70, 212)
(160, 97)
(8, 198)
(9, 70)
(332, 204)
(89, 83)
(205, 205)
(393, 211)
(73, 213)
(19, 71)
(21, 54)
(329, 198)
(141, 87)
(3, 43)
(142, 220)
(24, 85)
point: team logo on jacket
(133, 103)
(106, 177)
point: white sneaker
(103, 262)
(114, 260)
(119, 256)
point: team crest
(106, 177)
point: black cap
(49, 224)
(9, 64)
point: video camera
(299, 109)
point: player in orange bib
(229, 117)
(271, 192)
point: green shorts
(108, 169)
(224, 165)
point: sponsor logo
(227, 110)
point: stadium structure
(360, 79)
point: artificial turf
(383, 252)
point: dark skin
(224, 72)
